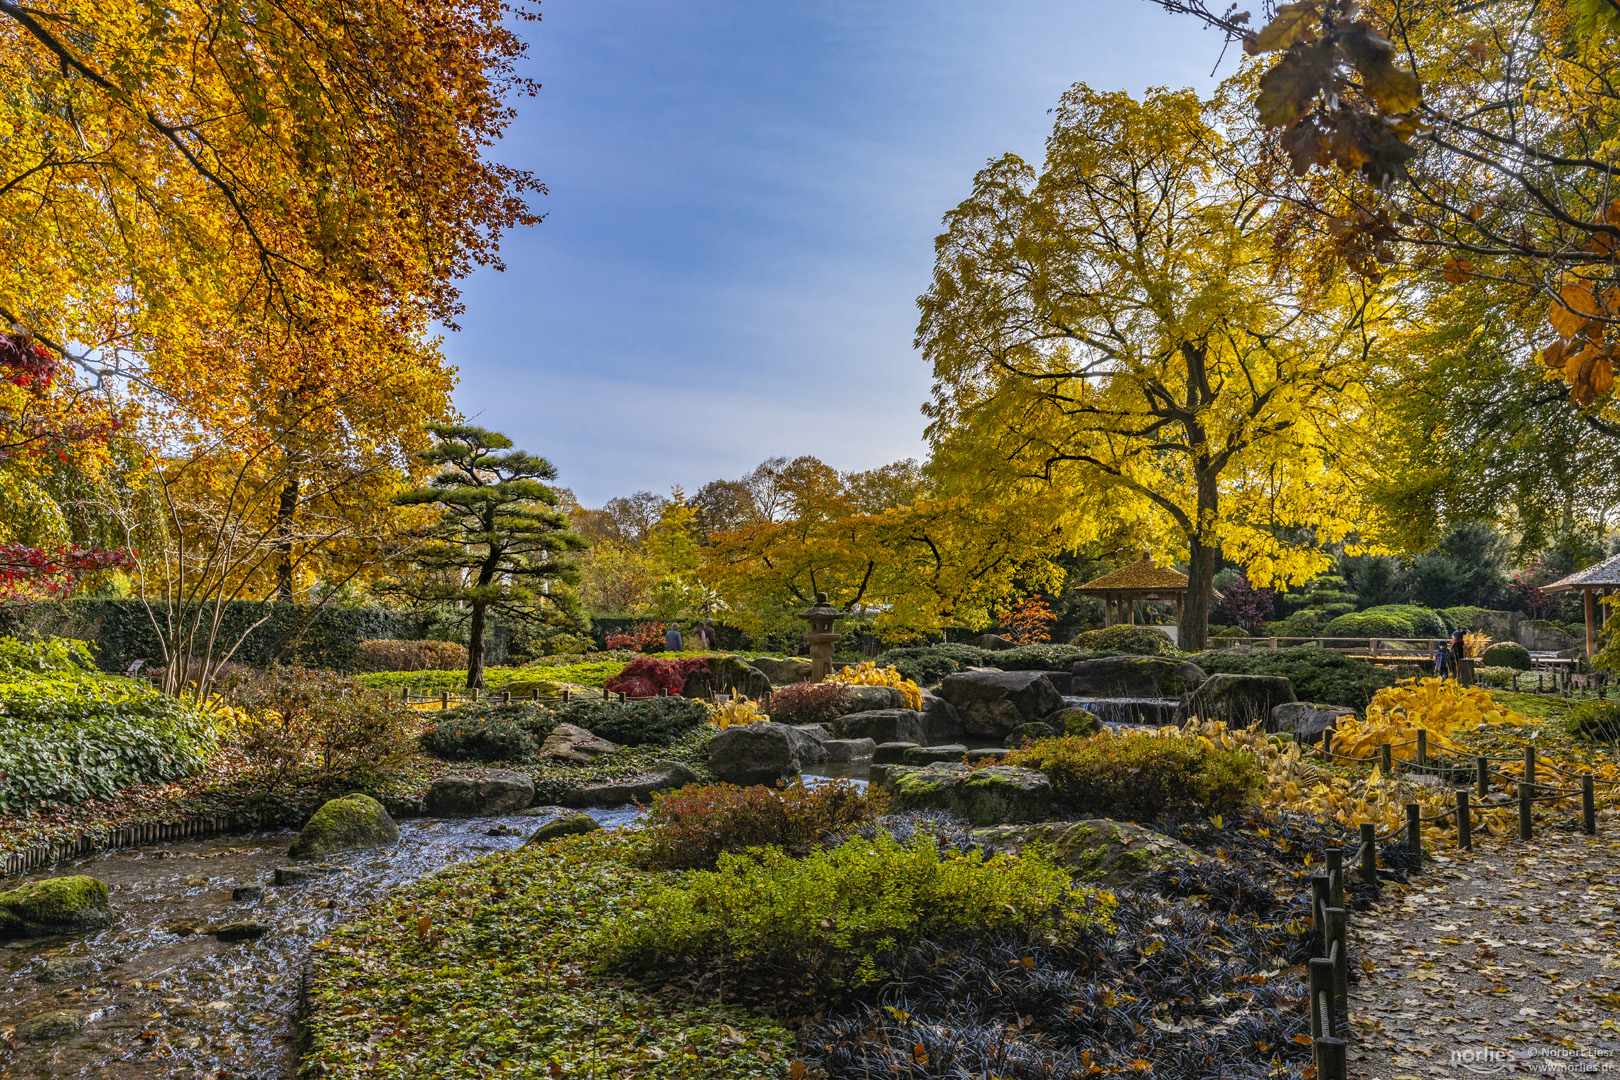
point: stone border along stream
(1329, 974)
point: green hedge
(1368, 624)
(1127, 640)
(1319, 675)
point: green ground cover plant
(689, 829)
(655, 721)
(1126, 640)
(1143, 775)
(483, 970)
(830, 920)
(585, 673)
(1595, 721)
(478, 739)
(69, 732)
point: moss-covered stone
(50, 1025)
(985, 796)
(1099, 851)
(351, 823)
(566, 825)
(61, 905)
(1238, 700)
(1134, 676)
(1077, 722)
(1036, 729)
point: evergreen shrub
(1126, 640)
(1508, 654)
(392, 654)
(1369, 624)
(635, 723)
(1319, 675)
(926, 665)
(1144, 775)
(478, 738)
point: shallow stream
(160, 997)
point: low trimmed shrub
(1598, 721)
(1043, 657)
(1126, 640)
(808, 703)
(478, 738)
(827, 920)
(690, 828)
(1508, 654)
(300, 719)
(1144, 775)
(1319, 675)
(1369, 624)
(388, 654)
(926, 665)
(636, 723)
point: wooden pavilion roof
(1139, 576)
(1605, 574)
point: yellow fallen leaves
(869, 674)
(734, 713)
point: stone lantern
(821, 636)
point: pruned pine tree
(499, 545)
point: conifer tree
(499, 545)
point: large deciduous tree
(1120, 326)
(499, 544)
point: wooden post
(472, 693)
(1332, 1062)
(1482, 775)
(534, 695)
(1369, 853)
(1386, 758)
(565, 695)
(1588, 806)
(506, 697)
(1591, 631)
(1530, 765)
(1321, 973)
(444, 699)
(606, 695)
(405, 694)
(1422, 758)
(1414, 830)
(1319, 900)
(1327, 744)
(1527, 792)
(1335, 869)
(1465, 822)
(1337, 944)
(1372, 647)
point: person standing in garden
(1446, 655)
(672, 639)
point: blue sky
(743, 201)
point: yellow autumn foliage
(1436, 706)
(734, 713)
(869, 674)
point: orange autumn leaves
(1583, 314)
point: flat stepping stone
(987, 753)
(928, 755)
(891, 753)
(239, 931)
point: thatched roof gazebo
(1600, 580)
(1141, 580)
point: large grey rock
(486, 793)
(662, 776)
(849, 749)
(565, 825)
(782, 672)
(1134, 677)
(810, 740)
(990, 795)
(928, 755)
(58, 905)
(880, 725)
(570, 742)
(891, 753)
(872, 699)
(239, 931)
(998, 703)
(759, 753)
(1101, 852)
(352, 823)
(1306, 720)
(941, 722)
(1239, 700)
(993, 643)
(1539, 635)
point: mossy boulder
(998, 703)
(1134, 677)
(1037, 730)
(1101, 852)
(484, 793)
(880, 725)
(759, 753)
(1508, 654)
(566, 825)
(1075, 721)
(991, 795)
(60, 905)
(351, 823)
(1239, 700)
(50, 1025)
(862, 699)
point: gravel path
(1503, 961)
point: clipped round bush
(1369, 624)
(1598, 721)
(1144, 775)
(1126, 640)
(1425, 623)
(477, 738)
(1232, 632)
(1508, 654)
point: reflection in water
(157, 998)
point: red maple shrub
(808, 703)
(650, 676)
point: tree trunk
(475, 647)
(1201, 551)
(284, 545)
